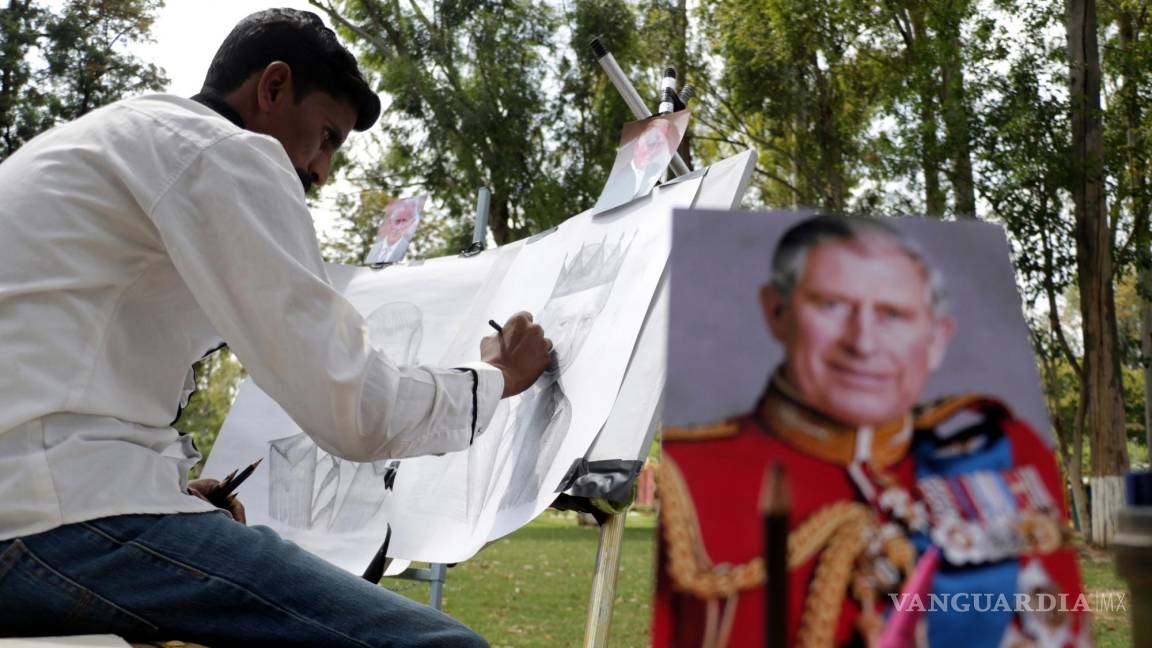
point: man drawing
(540, 418)
(141, 235)
(875, 479)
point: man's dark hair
(300, 39)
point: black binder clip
(472, 250)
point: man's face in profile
(399, 219)
(310, 129)
(859, 332)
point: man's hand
(203, 488)
(521, 352)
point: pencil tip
(774, 496)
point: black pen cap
(598, 48)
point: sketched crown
(596, 264)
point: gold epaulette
(722, 430)
(932, 414)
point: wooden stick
(774, 505)
(604, 581)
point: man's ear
(274, 86)
(943, 329)
(774, 306)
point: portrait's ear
(943, 329)
(773, 305)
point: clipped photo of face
(646, 148)
(401, 217)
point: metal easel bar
(435, 574)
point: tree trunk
(955, 108)
(833, 193)
(1137, 191)
(498, 220)
(1076, 473)
(803, 191)
(1146, 348)
(1102, 387)
(934, 201)
(1070, 459)
(920, 58)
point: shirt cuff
(489, 389)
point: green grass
(1112, 627)
(531, 589)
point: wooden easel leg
(604, 581)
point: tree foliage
(217, 378)
(59, 63)
(957, 108)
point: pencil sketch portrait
(312, 489)
(539, 419)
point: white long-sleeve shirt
(132, 241)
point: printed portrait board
(721, 353)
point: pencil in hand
(221, 495)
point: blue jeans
(204, 578)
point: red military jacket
(849, 484)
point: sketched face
(398, 329)
(568, 319)
(401, 217)
(653, 144)
(859, 332)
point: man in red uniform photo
(876, 477)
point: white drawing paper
(590, 283)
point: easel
(611, 543)
(611, 524)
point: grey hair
(792, 251)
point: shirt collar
(217, 103)
(783, 411)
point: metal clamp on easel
(480, 229)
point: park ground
(530, 589)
